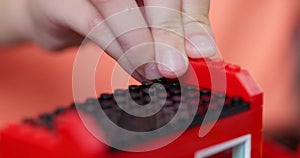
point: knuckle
(195, 17)
(196, 23)
(129, 40)
(169, 26)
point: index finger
(131, 31)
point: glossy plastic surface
(71, 139)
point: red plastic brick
(70, 139)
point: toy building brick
(236, 133)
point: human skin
(58, 24)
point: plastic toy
(236, 133)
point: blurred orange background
(254, 34)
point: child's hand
(57, 24)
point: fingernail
(171, 63)
(152, 72)
(200, 45)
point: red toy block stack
(237, 133)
